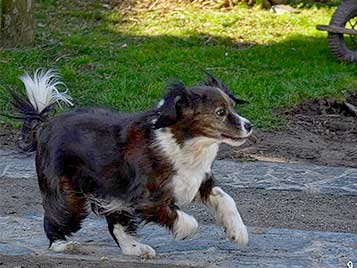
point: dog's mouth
(233, 137)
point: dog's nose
(248, 126)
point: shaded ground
(318, 131)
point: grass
(123, 57)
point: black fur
(123, 218)
(32, 119)
(176, 99)
(214, 82)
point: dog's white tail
(42, 89)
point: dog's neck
(191, 160)
(190, 152)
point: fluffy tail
(42, 94)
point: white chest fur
(192, 162)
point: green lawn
(123, 58)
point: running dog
(131, 168)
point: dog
(130, 168)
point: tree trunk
(16, 23)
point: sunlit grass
(241, 24)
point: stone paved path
(267, 248)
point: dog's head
(204, 111)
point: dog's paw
(237, 233)
(217, 191)
(65, 246)
(185, 226)
(139, 249)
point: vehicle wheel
(344, 46)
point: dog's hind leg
(65, 209)
(122, 226)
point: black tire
(346, 11)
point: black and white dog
(131, 168)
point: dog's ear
(211, 81)
(170, 108)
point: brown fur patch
(74, 199)
(161, 213)
(206, 187)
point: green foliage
(123, 58)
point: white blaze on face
(245, 132)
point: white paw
(185, 226)
(138, 249)
(238, 234)
(227, 215)
(64, 246)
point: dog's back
(81, 143)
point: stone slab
(268, 248)
(287, 177)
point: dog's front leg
(181, 224)
(224, 209)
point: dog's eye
(221, 112)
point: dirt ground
(41, 262)
(321, 132)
